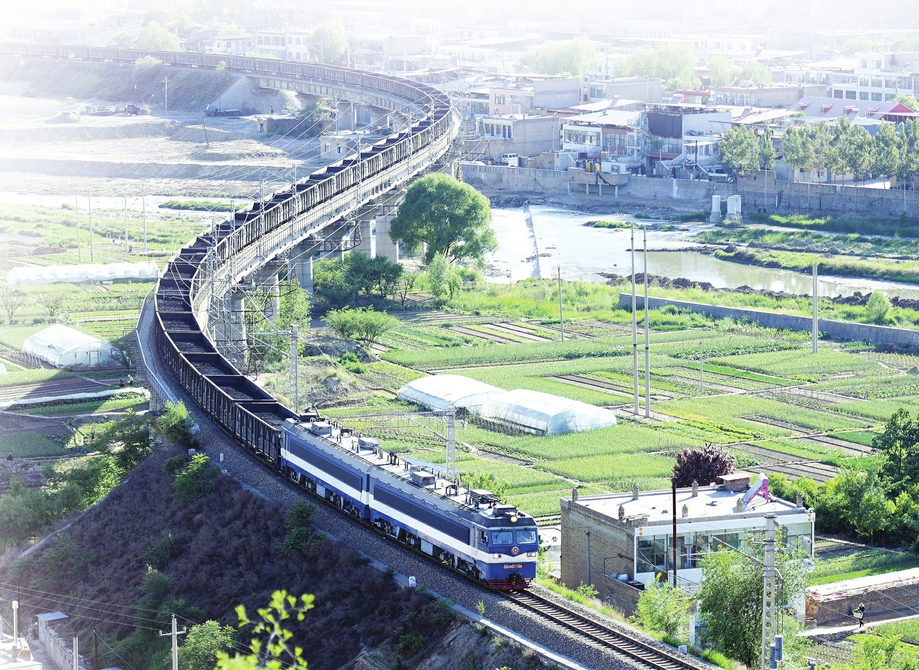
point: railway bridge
(208, 277)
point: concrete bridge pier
(230, 332)
(300, 263)
(266, 280)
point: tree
(663, 608)
(796, 148)
(128, 441)
(449, 217)
(739, 149)
(177, 424)
(52, 303)
(878, 308)
(155, 37)
(330, 281)
(439, 275)
(573, 57)
(767, 149)
(328, 43)
(721, 71)
(857, 155)
(295, 305)
(861, 43)
(756, 72)
(368, 275)
(907, 100)
(909, 147)
(673, 63)
(360, 324)
(731, 599)
(11, 302)
(406, 284)
(703, 465)
(270, 635)
(856, 500)
(203, 641)
(887, 157)
(899, 445)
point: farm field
(761, 394)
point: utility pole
(634, 326)
(76, 209)
(561, 315)
(294, 370)
(769, 590)
(673, 488)
(15, 605)
(126, 217)
(647, 335)
(165, 94)
(814, 327)
(589, 582)
(91, 255)
(143, 187)
(175, 642)
(701, 370)
(451, 442)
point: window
(526, 536)
(837, 93)
(888, 97)
(260, 39)
(499, 98)
(502, 537)
(877, 97)
(297, 40)
(863, 95)
(864, 63)
(850, 95)
(877, 82)
(863, 81)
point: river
(582, 252)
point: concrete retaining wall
(758, 190)
(841, 330)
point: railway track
(649, 655)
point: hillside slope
(141, 554)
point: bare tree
(52, 303)
(406, 284)
(11, 301)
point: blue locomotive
(467, 530)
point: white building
(65, 347)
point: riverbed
(557, 238)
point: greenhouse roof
(440, 392)
(54, 342)
(544, 413)
(25, 276)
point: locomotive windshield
(526, 536)
(502, 537)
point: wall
(57, 648)
(611, 550)
(532, 136)
(841, 330)
(557, 93)
(515, 179)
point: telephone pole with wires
(175, 642)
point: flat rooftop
(712, 503)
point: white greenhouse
(544, 414)
(30, 276)
(439, 392)
(65, 347)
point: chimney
(574, 494)
(685, 511)
(735, 483)
(695, 488)
(739, 506)
(799, 499)
(634, 491)
(621, 513)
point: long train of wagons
(467, 530)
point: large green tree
(899, 444)
(328, 43)
(731, 599)
(673, 63)
(449, 217)
(572, 57)
(887, 156)
(739, 149)
(199, 650)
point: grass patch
(30, 445)
(202, 206)
(860, 564)
(33, 377)
(116, 403)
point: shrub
(196, 479)
(702, 465)
(177, 425)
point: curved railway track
(647, 654)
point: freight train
(467, 530)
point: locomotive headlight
(496, 555)
(513, 518)
(532, 554)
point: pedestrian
(859, 614)
(121, 383)
(130, 380)
(271, 110)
